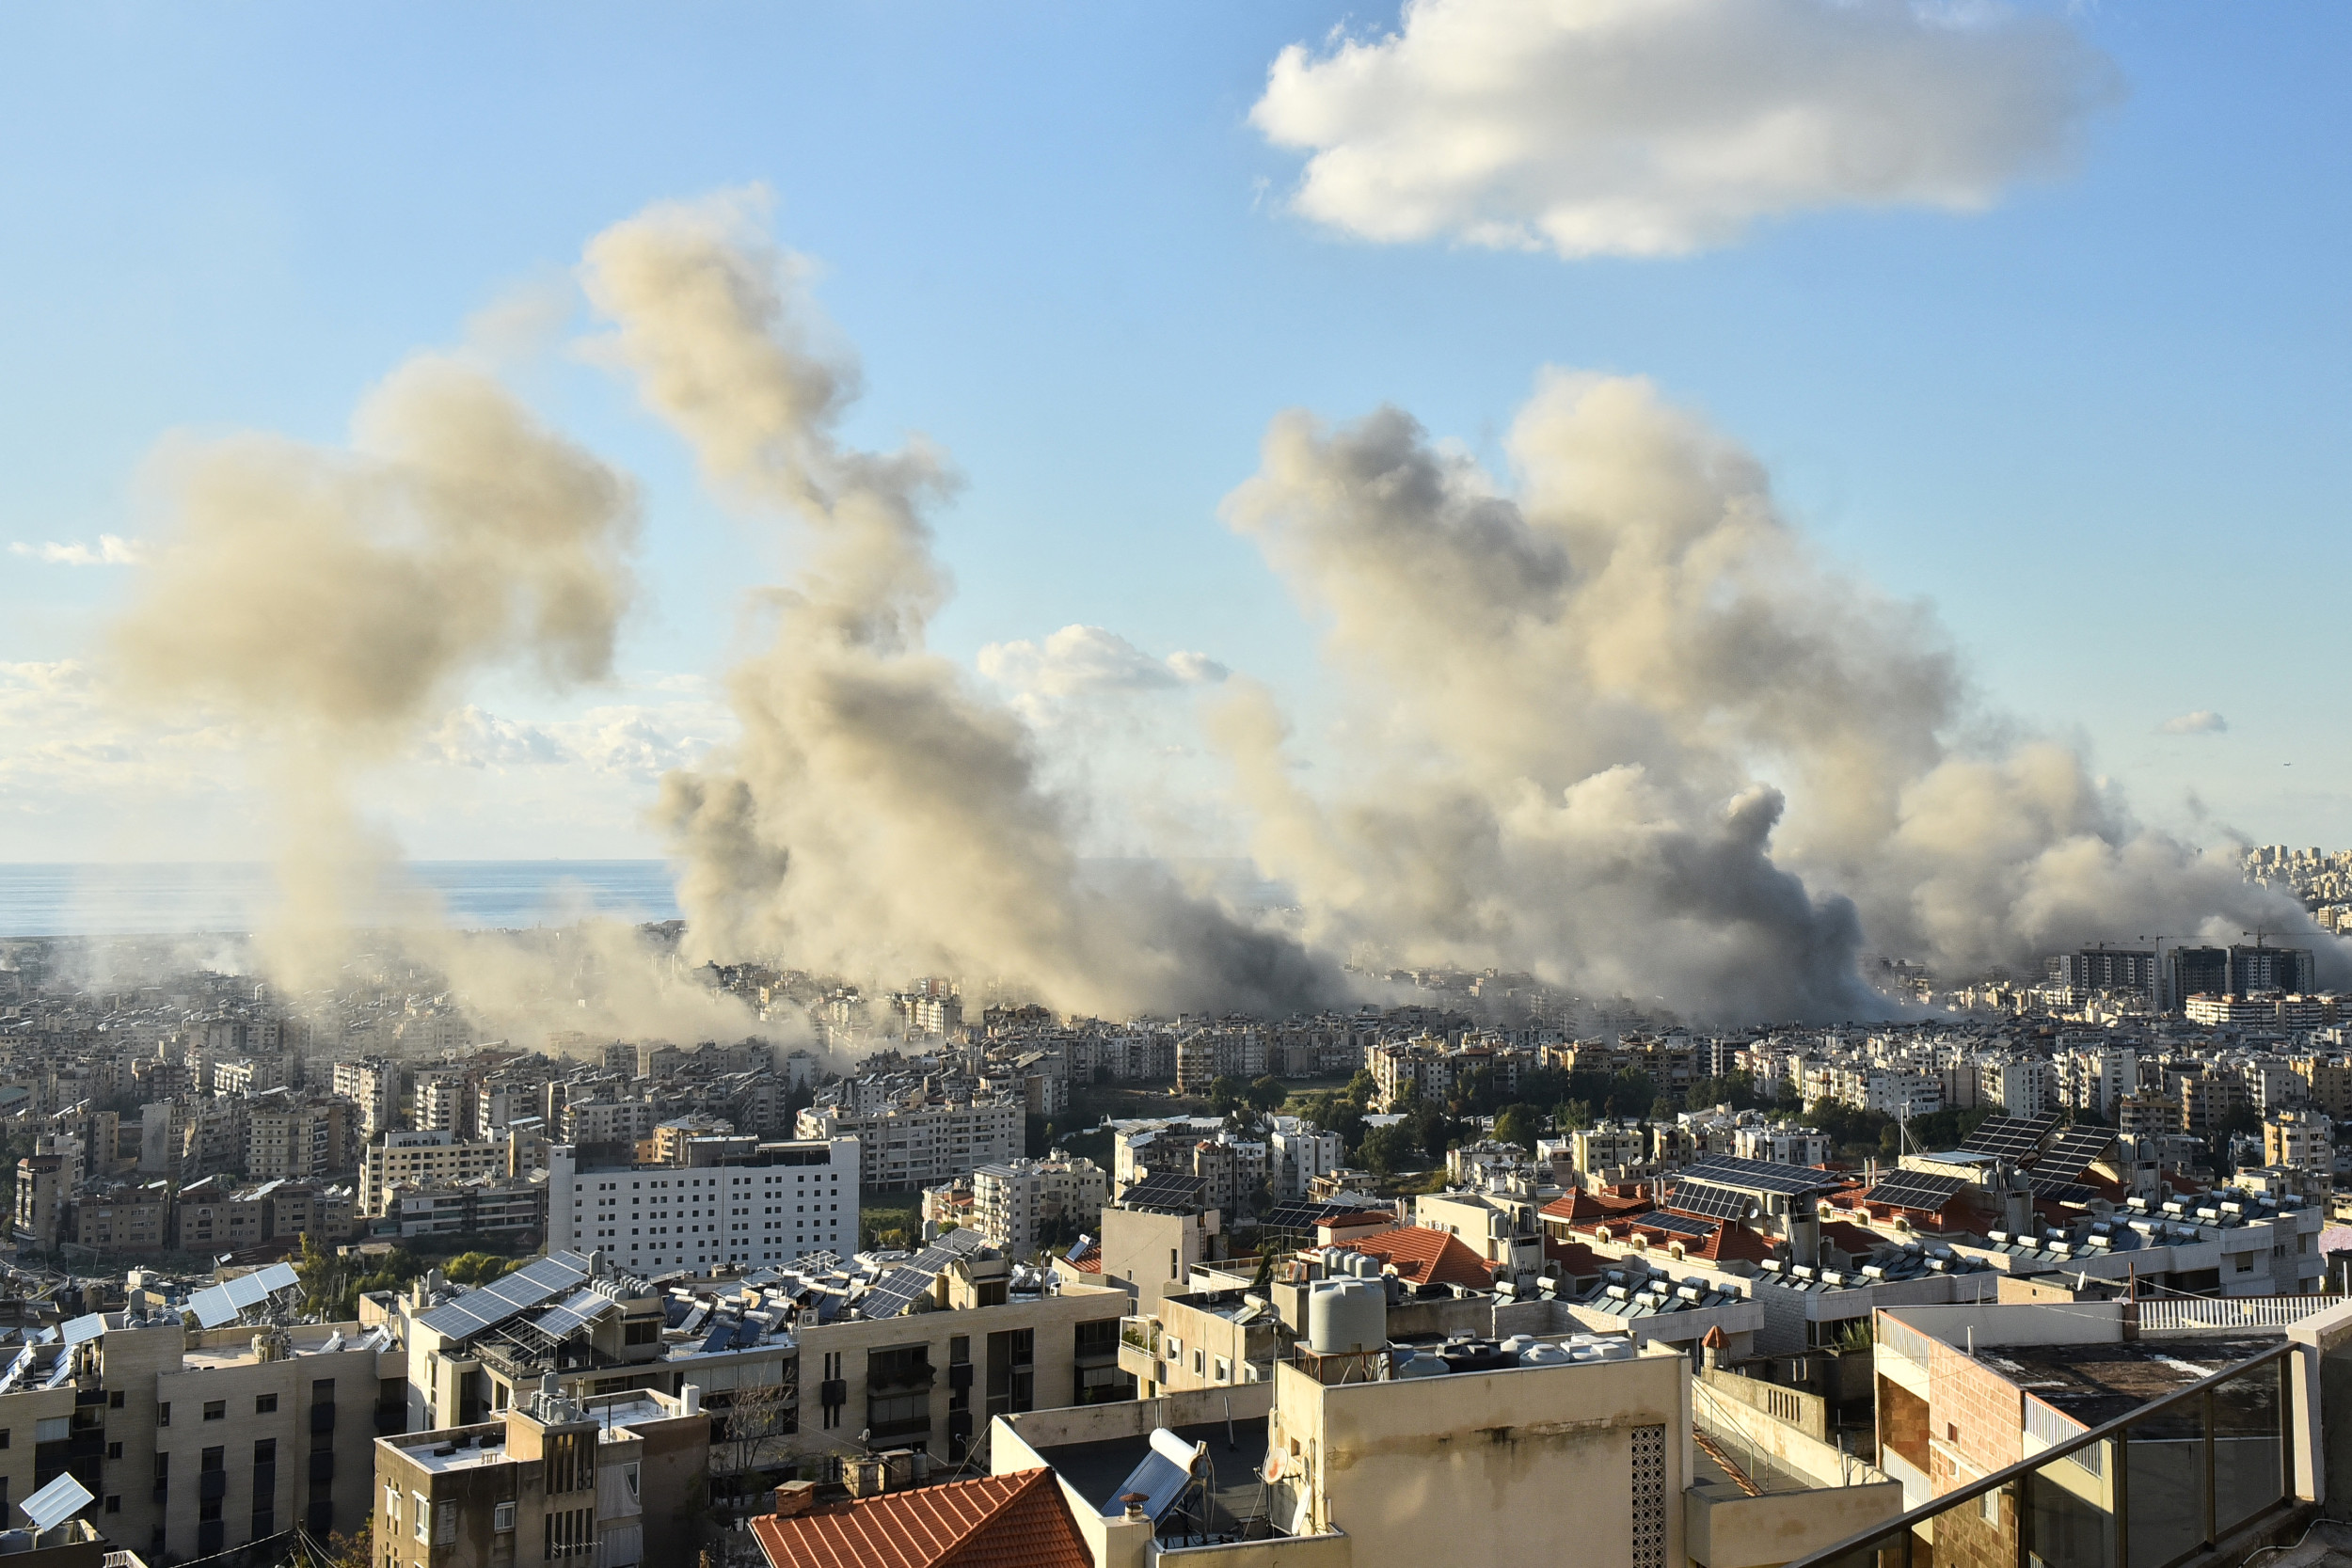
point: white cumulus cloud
(1660, 127)
(1078, 661)
(112, 549)
(2204, 722)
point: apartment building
(926, 1141)
(610, 1121)
(248, 1074)
(1013, 1203)
(921, 1356)
(121, 1218)
(423, 1160)
(769, 1204)
(374, 1082)
(495, 1205)
(440, 1103)
(295, 1137)
(1297, 1151)
(41, 1187)
(197, 1443)
(2020, 1085)
(614, 1480)
(2299, 1140)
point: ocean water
(170, 898)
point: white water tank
(1347, 1315)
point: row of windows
(322, 1392)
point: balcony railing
(1142, 1332)
(2146, 1490)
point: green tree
(1266, 1095)
(476, 1268)
(1573, 1112)
(1519, 1124)
(1361, 1089)
(1226, 1092)
(1389, 1149)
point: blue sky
(2098, 425)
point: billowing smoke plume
(1609, 715)
(327, 604)
(879, 819)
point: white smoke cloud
(1619, 726)
(1659, 127)
(112, 549)
(878, 818)
(328, 603)
(2204, 722)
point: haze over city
(1079, 786)
(1276, 501)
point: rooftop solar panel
(1911, 1189)
(56, 1503)
(1721, 1203)
(1169, 1193)
(1761, 1176)
(2075, 1148)
(494, 1304)
(86, 1327)
(577, 1311)
(2058, 1190)
(2008, 1137)
(219, 1305)
(1681, 1225)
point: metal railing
(2146, 1490)
(2202, 1312)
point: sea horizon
(88, 899)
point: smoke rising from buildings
(327, 604)
(879, 816)
(1615, 723)
(1609, 719)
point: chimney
(1134, 1502)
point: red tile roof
(1091, 1260)
(1576, 1259)
(1009, 1521)
(1850, 1239)
(1732, 1243)
(1581, 1205)
(1424, 1256)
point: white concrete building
(770, 1206)
(1297, 1151)
(1012, 1203)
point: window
(445, 1525)
(1988, 1506)
(114, 1503)
(216, 1410)
(423, 1516)
(502, 1517)
(208, 1510)
(322, 1391)
(264, 1452)
(163, 1414)
(264, 1403)
(114, 1451)
(114, 1400)
(213, 1459)
(392, 1502)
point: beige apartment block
(196, 1443)
(423, 1160)
(612, 1481)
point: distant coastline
(167, 898)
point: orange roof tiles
(1009, 1521)
(1088, 1262)
(1732, 1243)
(1424, 1256)
(1581, 1205)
